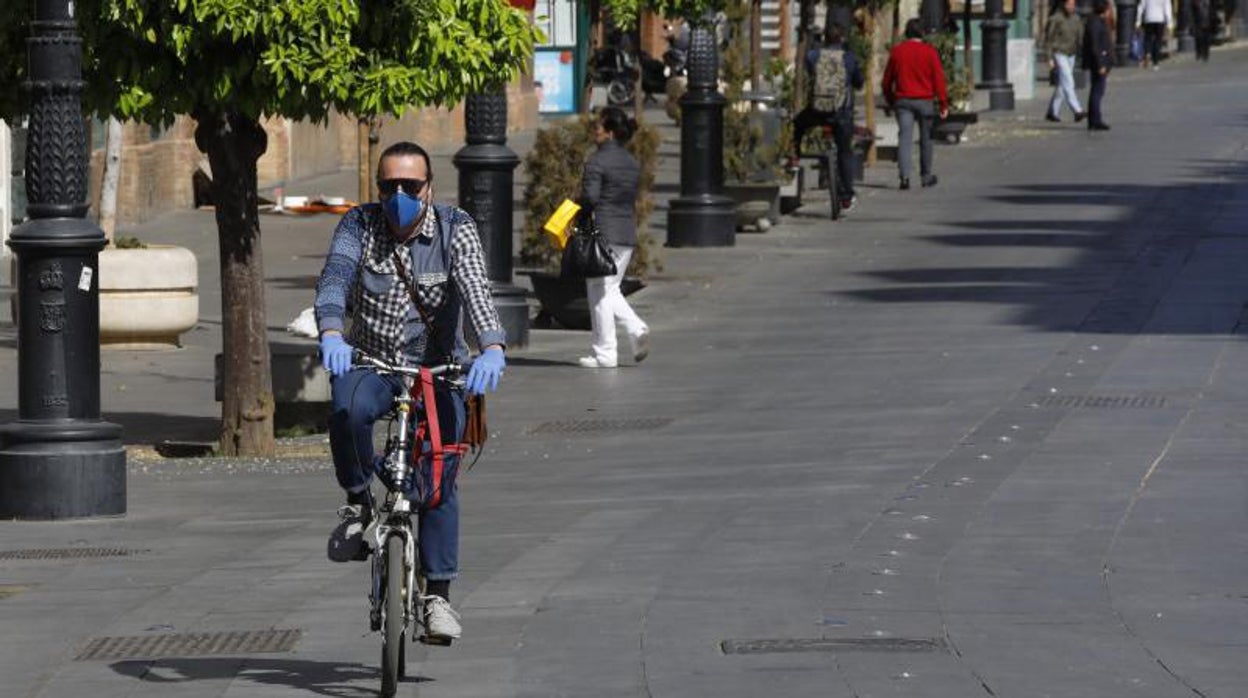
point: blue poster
(554, 77)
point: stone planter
(147, 296)
(758, 203)
(951, 127)
(565, 300)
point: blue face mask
(402, 210)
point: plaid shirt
(368, 266)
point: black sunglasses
(411, 187)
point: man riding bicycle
(403, 269)
(834, 74)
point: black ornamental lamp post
(995, 69)
(58, 460)
(1187, 41)
(486, 175)
(702, 216)
(1126, 27)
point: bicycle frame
(394, 516)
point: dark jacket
(612, 178)
(853, 72)
(1098, 48)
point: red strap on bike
(431, 426)
(435, 435)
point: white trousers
(608, 306)
(1065, 89)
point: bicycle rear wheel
(834, 193)
(393, 652)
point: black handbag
(587, 255)
(1053, 79)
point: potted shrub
(554, 167)
(756, 141)
(958, 84)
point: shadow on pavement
(152, 427)
(1187, 232)
(318, 678)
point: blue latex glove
(485, 371)
(335, 354)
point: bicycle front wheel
(393, 654)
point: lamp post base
(708, 220)
(1001, 97)
(62, 470)
(513, 312)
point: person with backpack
(913, 80)
(406, 270)
(835, 74)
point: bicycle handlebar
(362, 360)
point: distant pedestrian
(834, 75)
(1154, 17)
(609, 189)
(1098, 57)
(1202, 27)
(1062, 36)
(913, 80)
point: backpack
(830, 88)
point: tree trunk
(361, 153)
(233, 144)
(756, 46)
(374, 153)
(112, 174)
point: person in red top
(913, 80)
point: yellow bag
(557, 225)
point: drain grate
(593, 426)
(67, 553)
(190, 644)
(1102, 401)
(852, 644)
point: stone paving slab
(914, 424)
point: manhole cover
(1102, 401)
(66, 553)
(863, 644)
(190, 644)
(588, 426)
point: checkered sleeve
(468, 271)
(337, 279)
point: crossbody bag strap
(403, 275)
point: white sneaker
(346, 541)
(441, 621)
(641, 346)
(595, 362)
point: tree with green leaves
(229, 63)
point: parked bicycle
(397, 592)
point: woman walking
(609, 191)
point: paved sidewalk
(982, 439)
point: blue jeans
(1065, 90)
(358, 399)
